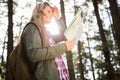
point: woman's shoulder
(30, 26)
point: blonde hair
(38, 11)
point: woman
(37, 43)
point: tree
(10, 27)
(106, 52)
(10, 30)
(116, 20)
(80, 61)
(88, 39)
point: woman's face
(47, 14)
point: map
(75, 29)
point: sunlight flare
(52, 27)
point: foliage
(2, 70)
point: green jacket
(42, 55)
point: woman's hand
(55, 12)
(70, 44)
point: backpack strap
(33, 66)
(37, 28)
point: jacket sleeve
(33, 45)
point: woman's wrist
(55, 13)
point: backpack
(18, 66)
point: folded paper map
(75, 29)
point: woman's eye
(49, 11)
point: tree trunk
(106, 52)
(91, 57)
(63, 15)
(116, 22)
(10, 30)
(10, 27)
(70, 65)
(80, 60)
(116, 19)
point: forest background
(97, 54)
